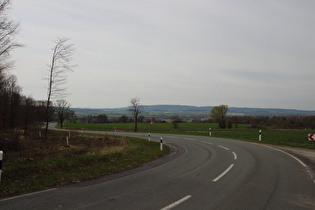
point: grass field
(183, 128)
(294, 138)
(34, 164)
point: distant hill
(191, 112)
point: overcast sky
(245, 53)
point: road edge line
(308, 170)
(28, 194)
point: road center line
(207, 142)
(174, 137)
(176, 203)
(235, 156)
(224, 172)
(223, 147)
(190, 139)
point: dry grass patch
(31, 163)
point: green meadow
(294, 138)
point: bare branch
(59, 66)
(8, 30)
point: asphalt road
(207, 173)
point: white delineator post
(209, 131)
(259, 135)
(149, 137)
(1, 157)
(161, 144)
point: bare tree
(15, 99)
(175, 120)
(28, 112)
(135, 108)
(62, 110)
(60, 65)
(8, 29)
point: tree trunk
(136, 123)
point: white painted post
(161, 144)
(209, 131)
(149, 137)
(67, 139)
(259, 135)
(1, 157)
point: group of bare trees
(16, 109)
(10, 91)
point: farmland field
(294, 138)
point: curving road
(211, 173)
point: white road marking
(223, 147)
(235, 156)
(190, 139)
(29, 194)
(224, 172)
(297, 159)
(174, 137)
(177, 203)
(207, 142)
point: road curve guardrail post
(1, 157)
(161, 144)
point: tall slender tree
(61, 63)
